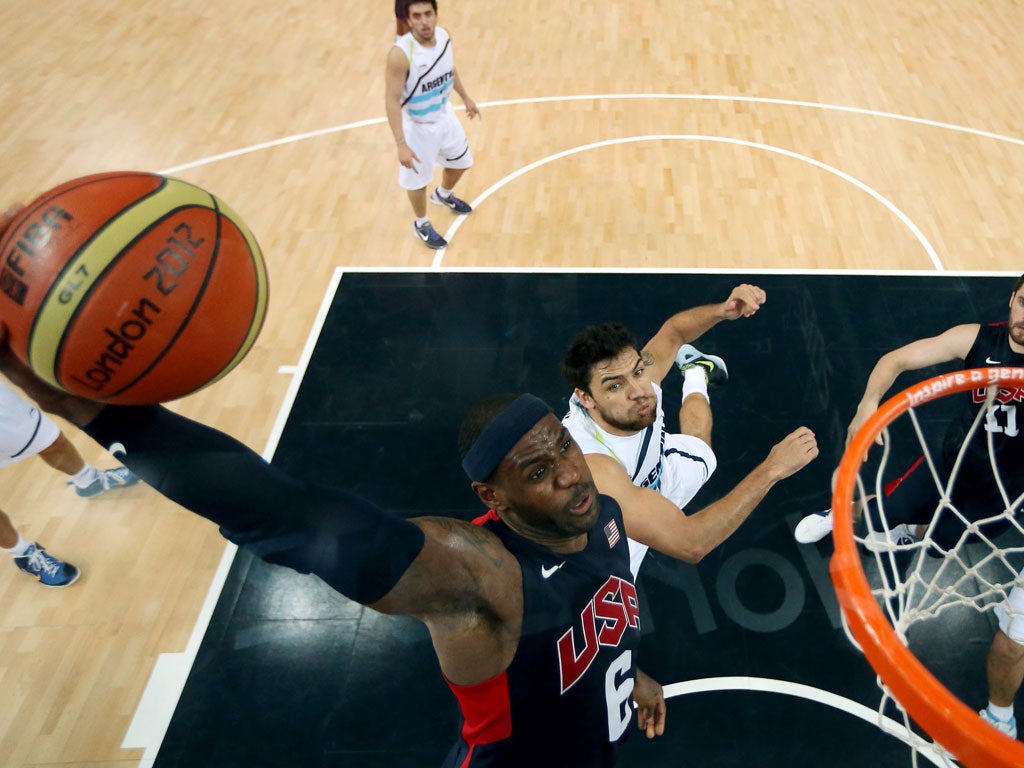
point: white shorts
(1010, 612)
(441, 143)
(688, 463)
(24, 429)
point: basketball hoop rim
(941, 714)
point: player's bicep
(649, 517)
(395, 74)
(953, 344)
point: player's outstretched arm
(954, 344)
(690, 324)
(654, 520)
(362, 551)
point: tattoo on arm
(647, 358)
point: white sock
(85, 476)
(444, 192)
(695, 380)
(1003, 713)
(421, 220)
(18, 549)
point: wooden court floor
(649, 135)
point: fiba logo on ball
(131, 287)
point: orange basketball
(130, 287)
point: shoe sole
(53, 586)
(813, 532)
(65, 585)
(696, 356)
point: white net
(942, 545)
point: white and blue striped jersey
(428, 85)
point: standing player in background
(616, 416)
(419, 79)
(911, 500)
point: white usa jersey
(676, 466)
(430, 79)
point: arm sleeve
(357, 548)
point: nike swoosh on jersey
(990, 361)
(548, 572)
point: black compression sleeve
(360, 550)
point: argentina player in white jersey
(419, 79)
(616, 416)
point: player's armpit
(467, 588)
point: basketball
(130, 288)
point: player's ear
(584, 397)
(488, 494)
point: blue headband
(501, 435)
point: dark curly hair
(1018, 284)
(592, 345)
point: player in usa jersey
(616, 415)
(419, 78)
(531, 610)
(911, 499)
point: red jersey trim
(488, 516)
(892, 485)
(486, 710)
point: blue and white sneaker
(428, 235)
(457, 205)
(897, 538)
(119, 477)
(47, 569)
(1009, 727)
(714, 366)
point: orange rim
(931, 705)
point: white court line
(457, 224)
(398, 270)
(886, 725)
(167, 680)
(604, 97)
